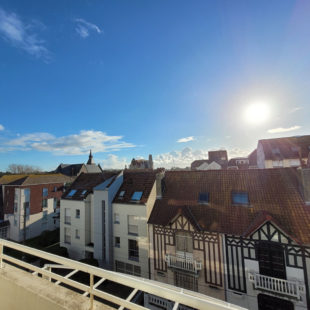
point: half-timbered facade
(242, 236)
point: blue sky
(130, 78)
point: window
(117, 242)
(27, 209)
(77, 234)
(184, 242)
(121, 194)
(83, 192)
(240, 198)
(277, 163)
(44, 216)
(127, 268)
(77, 213)
(186, 281)
(67, 216)
(294, 162)
(67, 235)
(116, 218)
(55, 189)
(15, 207)
(203, 198)
(44, 203)
(133, 250)
(45, 192)
(136, 196)
(55, 203)
(71, 193)
(15, 220)
(270, 256)
(132, 225)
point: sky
(127, 79)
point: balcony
(183, 262)
(42, 288)
(290, 288)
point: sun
(256, 113)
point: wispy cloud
(83, 28)
(76, 144)
(281, 129)
(1, 127)
(186, 139)
(22, 35)
(295, 109)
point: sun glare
(256, 113)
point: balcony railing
(182, 262)
(179, 297)
(286, 287)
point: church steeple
(90, 159)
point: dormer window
(121, 194)
(203, 198)
(240, 198)
(136, 196)
(71, 193)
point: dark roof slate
(272, 191)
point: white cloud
(185, 157)
(295, 109)
(114, 162)
(186, 139)
(83, 28)
(21, 35)
(281, 129)
(76, 144)
(1, 127)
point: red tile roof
(287, 147)
(270, 191)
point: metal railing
(179, 296)
(183, 262)
(286, 287)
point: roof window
(84, 192)
(136, 196)
(203, 198)
(240, 198)
(71, 193)
(121, 194)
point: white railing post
(91, 295)
(1, 253)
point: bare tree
(22, 169)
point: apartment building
(132, 206)
(84, 219)
(31, 203)
(283, 152)
(239, 235)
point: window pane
(203, 197)
(136, 196)
(240, 198)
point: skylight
(84, 192)
(136, 196)
(121, 194)
(240, 198)
(203, 198)
(71, 193)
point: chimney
(150, 161)
(304, 176)
(159, 184)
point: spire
(90, 159)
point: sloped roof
(253, 158)
(93, 168)
(197, 163)
(86, 182)
(272, 191)
(136, 181)
(69, 169)
(34, 179)
(287, 147)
